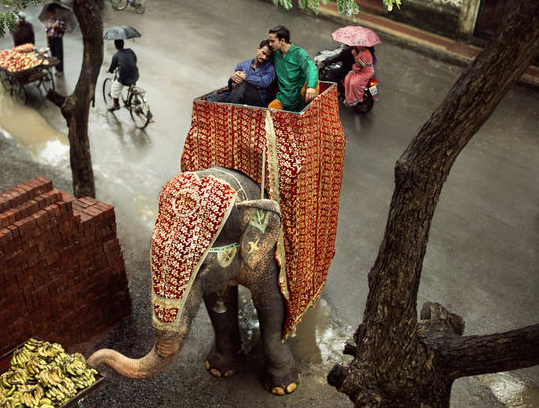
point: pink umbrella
(356, 35)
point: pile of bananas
(43, 375)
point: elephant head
(242, 253)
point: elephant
(254, 267)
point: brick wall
(62, 274)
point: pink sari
(356, 80)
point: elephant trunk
(167, 347)
(151, 364)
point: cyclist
(126, 61)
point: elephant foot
(281, 385)
(223, 365)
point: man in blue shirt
(252, 81)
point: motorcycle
(325, 68)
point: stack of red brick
(62, 274)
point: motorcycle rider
(356, 80)
(347, 57)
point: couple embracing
(277, 60)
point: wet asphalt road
(482, 257)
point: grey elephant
(250, 233)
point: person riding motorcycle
(357, 67)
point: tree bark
(76, 107)
(398, 360)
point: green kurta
(292, 71)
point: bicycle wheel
(118, 4)
(107, 85)
(139, 110)
(140, 6)
(6, 83)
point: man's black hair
(281, 32)
(119, 44)
(265, 43)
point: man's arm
(238, 76)
(113, 64)
(311, 72)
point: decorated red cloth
(304, 158)
(192, 212)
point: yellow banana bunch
(50, 376)
(11, 402)
(62, 392)
(46, 403)
(20, 357)
(30, 395)
(48, 351)
(75, 366)
(85, 380)
(35, 365)
(13, 377)
(32, 344)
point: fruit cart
(22, 66)
(41, 386)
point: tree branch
(474, 355)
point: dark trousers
(57, 50)
(244, 93)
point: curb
(429, 44)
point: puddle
(32, 132)
(512, 391)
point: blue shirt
(261, 77)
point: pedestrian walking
(55, 29)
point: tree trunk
(76, 107)
(400, 361)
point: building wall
(62, 274)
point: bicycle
(134, 101)
(139, 5)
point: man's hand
(238, 77)
(310, 94)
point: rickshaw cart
(41, 75)
(298, 157)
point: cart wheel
(140, 6)
(107, 85)
(19, 91)
(47, 82)
(139, 110)
(118, 4)
(5, 81)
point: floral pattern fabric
(192, 212)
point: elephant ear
(263, 219)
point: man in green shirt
(296, 72)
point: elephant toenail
(215, 372)
(277, 391)
(291, 388)
(229, 373)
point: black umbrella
(62, 12)
(120, 33)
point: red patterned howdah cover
(305, 178)
(192, 212)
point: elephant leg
(224, 358)
(281, 374)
